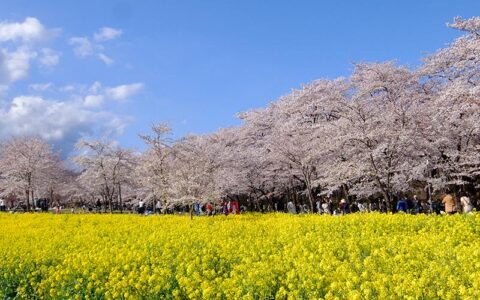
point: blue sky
(194, 64)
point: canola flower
(253, 256)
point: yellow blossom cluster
(373, 256)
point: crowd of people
(143, 207)
(447, 204)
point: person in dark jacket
(410, 205)
(344, 206)
(418, 208)
(402, 205)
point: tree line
(385, 131)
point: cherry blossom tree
(454, 72)
(304, 120)
(153, 169)
(24, 162)
(193, 175)
(106, 168)
(56, 181)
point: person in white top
(361, 207)
(2, 205)
(326, 208)
(291, 207)
(466, 204)
(141, 207)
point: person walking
(383, 206)
(196, 208)
(417, 205)
(304, 208)
(225, 208)
(344, 206)
(291, 207)
(410, 205)
(361, 207)
(57, 209)
(141, 207)
(209, 208)
(449, 203)
(98, 205)
(158, 207)
(372, 206)
(466, 204)
(326, 208)
(402, 205)
(2, 205)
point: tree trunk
(120, 198)
(257, 204)
(104, 203)
(51, 195)
(295, 198)
(110, 200)
(345, 191)
(27, 193)
(33, 200)
(309, 193)
(311, 199)
(387, 199)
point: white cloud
(51, 120)
(59, 122)
(106, 33)
(93, 100)
(107, 60)
(95, 87)
(122, 92)
(67, 88)
(49, 57)
(18, 50)
(82, 46)
(29, 30)
(116, 126)
(96, 94)
(41, 87)
(15, 65)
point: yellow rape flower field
(253, 256)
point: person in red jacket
(209, 208)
